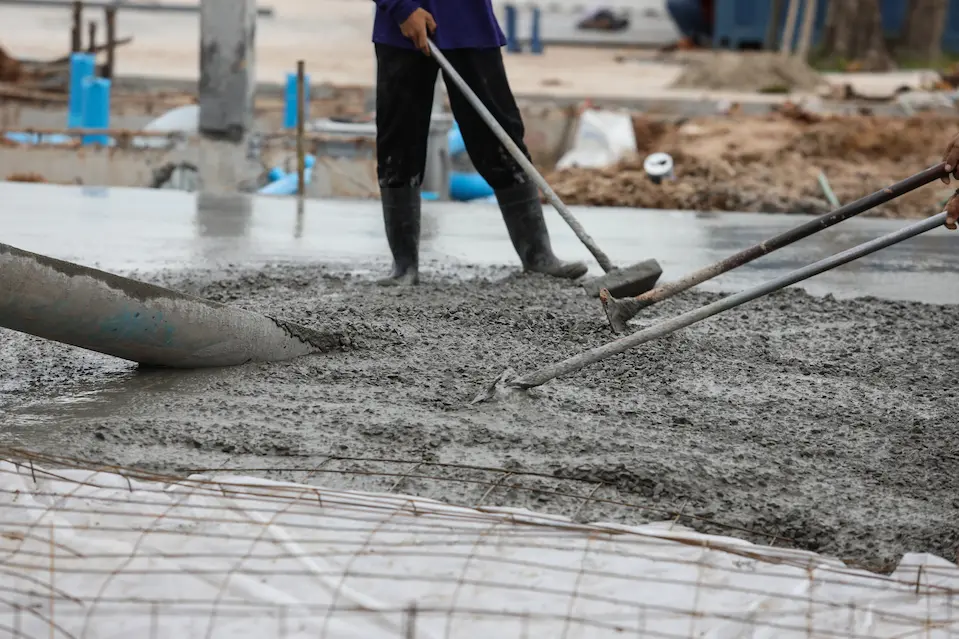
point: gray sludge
(824, 424)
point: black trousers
(405, 80)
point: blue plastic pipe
(287, 184)
(81, 68)
(289, 104)
(454, 141)
(36, 138)
(96, 109)
(468, 186)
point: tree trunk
(854, 35)
(922, 33)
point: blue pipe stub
(468, 186)
(287, 183)
(81, 67)
(454, 141)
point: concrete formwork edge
(140, 322)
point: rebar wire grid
(104, 551)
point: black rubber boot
(523, 215)
(401, 215)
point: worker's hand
(952, 208)
(417, 27)
(951, 160)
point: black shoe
(523, 215)
(401, 215)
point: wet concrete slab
(125, 230)
(819, 423)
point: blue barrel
(81, 68)
(96, 109)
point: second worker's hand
(952, 208)
(418, 27)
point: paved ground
(121, 229)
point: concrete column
(102, 312)
(227, 68)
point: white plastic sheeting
(602, 138)
(184, 119)
(99, 555)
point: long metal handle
(627, 308)
(521, 158)
(537, 378)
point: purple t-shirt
(460, 24)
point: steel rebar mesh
(96, 551)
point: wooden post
(792, 14)
(300, 116)
(110, 14)
(76, 37)
(93, 37)
(805, 36)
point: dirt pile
(812, 422)
(761, 72)
(771, 164)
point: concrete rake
(508, 381)
(620, 311)
(628, 281)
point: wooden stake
(805, 36)
(76, 38)
(110, 14)
(300, 115)
(792, 14)
(93, 36)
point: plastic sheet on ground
(103, 555)
(602, 139)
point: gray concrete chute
(140, 322)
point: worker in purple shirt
(467, 32)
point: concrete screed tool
(624, 282)
(508, 381)
(620, 311)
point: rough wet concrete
(821, 423)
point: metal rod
(110, 17)
(540, 377)
(300, 116)
(620, 311)
(521, 158)
(827, 190)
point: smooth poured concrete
(121, 230)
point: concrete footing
(102, 312)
